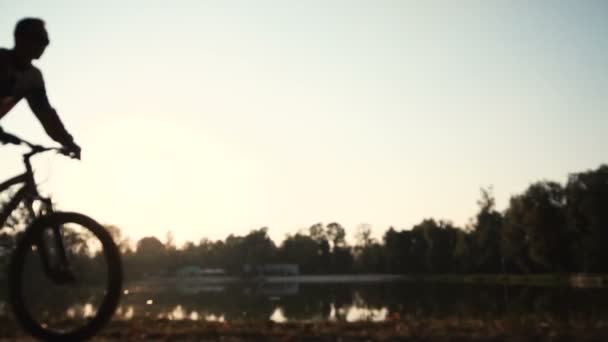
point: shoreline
(540, 280)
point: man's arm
(39, 103)
(48, 117)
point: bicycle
(52, 252)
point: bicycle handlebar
(7, 138)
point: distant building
(272, 269)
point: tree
(405, 251)
(123, 243)
(317, 232)
(336, 234)
(587, 219)
(150, 246)
(440, 238)
(258, 247)
(486, 236)
(364, 235)
(323, 256)
(151, 256)
(463, 254)
(535, 234)
(170, 241)
(231, 254)
(172, 255)
(369, 255)
(371, 259)
(302, 250)
(342, 260)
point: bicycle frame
(27, 194)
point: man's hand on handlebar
(6, 138)
(72, 150)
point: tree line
(549, 228)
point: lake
(361, 301)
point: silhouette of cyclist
(20, 79)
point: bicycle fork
(52, 253)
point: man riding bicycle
(20, 79)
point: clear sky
(215, 117)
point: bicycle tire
(109, 302)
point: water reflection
(354, 314)
(125, 312)
(176, 314)
(360, 302)
(349, 302)
(278, 316)
(214, 318)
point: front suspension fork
(52, 253)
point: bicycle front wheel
(65, 291)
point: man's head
(31, 38)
